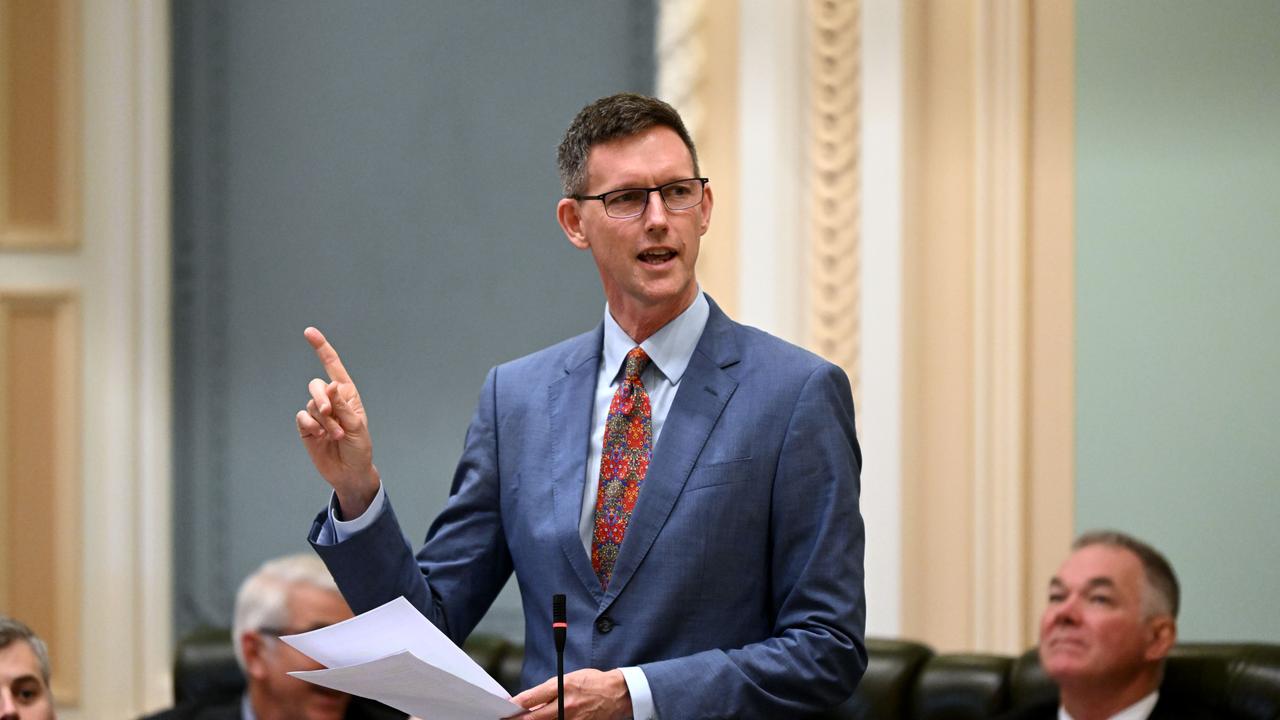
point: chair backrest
(892, 669)
(961, 687)
(205, 667)
(904, 679)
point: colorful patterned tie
(624, 460)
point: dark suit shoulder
(756, 344)
(1171, 706)
(365, 709)
(359, 709)
(199, 711)
(1041, 711)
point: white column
(882, 122)
(126, 540)
(772, 221)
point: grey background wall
(1178, 252)
(385, 171)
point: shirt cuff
(641, 698)
(335, 531)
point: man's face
(268, 660)
(646, 262)
(1094, 629)
(23, 694)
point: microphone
(560, 626)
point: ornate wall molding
(834, 184)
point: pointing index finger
(328, 356)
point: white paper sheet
(396, 656)
(407, 683)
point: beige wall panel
(1051, 451)
(37, 207)
(988, 302)
(38, 483)
(938, 405)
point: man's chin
(1066, 665)
(327, 707)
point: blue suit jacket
(739, 586)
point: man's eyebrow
(1057, 584)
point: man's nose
(655, 211)
(1067, 612)
(8, 709)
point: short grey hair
(1162, 596)
(12, 630)
(611, 118)
(263, 600)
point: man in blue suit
(691, 484)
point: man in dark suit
(287, 595)
(689, 483)
(1104, 636)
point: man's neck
(1094, 701)
(261, 705)
(640, 322)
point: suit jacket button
(604, 624)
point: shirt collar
(670, 349)
(1140, 710)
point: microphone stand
(560, 626)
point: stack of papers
(394, 655)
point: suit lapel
(569, 400)
(704, 391)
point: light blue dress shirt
(669, 350)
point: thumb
(537, 695)
(344, 411)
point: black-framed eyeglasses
(629, 202)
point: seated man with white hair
(1110, 622)
(288, 595)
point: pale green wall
(1178, 296)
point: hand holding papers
(394, 655)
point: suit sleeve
(464, 563)
(816, 653)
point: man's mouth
(1067, 641)
(657, 256)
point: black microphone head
(557, 608)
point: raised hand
(588, 695)
(335, 431)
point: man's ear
(707, 201)
(254, 647)
(567, 212)
(1163, 634)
